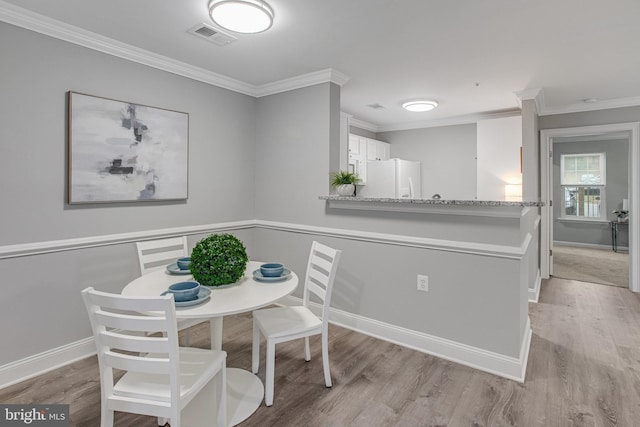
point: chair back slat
(322, 264)
(319, 277)
(163, 257)
(145, 364)
(134, 343)
(156, 254)
(132, 303)
(131, 323)
(321, 273)
(317, 290)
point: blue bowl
(183, 263)
(272, 269)
(184, 291)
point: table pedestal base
(244, 395)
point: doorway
(590, 182)
(629, 132)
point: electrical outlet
(423, 283)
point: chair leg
(271, 367)
(255, 349)
(325, 359)
(186, 337)
(221, 393)
(307, 351)
(176, 421)
(106, 417)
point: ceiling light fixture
(241, 16)
(419, 106)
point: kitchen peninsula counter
(437, 206)
(481, 259)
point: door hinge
(550, 153)
(550, 252)
(550, 202)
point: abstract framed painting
(125, 152)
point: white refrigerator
(394, 178)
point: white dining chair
(187, 386)
(157, 254)
(283, 324)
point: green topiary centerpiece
(218, 260)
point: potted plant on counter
(218, 260)
(344, 182)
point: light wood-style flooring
(583, 370)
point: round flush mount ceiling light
(241, 16)
(419, 106)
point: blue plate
(259, 277)
(174, 269)
(203, 296)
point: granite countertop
(433, 201)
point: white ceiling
(469, 55)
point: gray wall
(617, 173)
(590, 118)
(379, 282)
(41, 306)
(448, 156)
(36, 73)
(292, 148)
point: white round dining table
(245, 391)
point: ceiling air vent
(212, 34)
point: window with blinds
(582, 178)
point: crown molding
(543, 110)
(297, 82)
(536, 94)
(592, 106)
(33, 21)
(459, 120)
(361, 124)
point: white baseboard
(494, 363)
(38, 364)
(534, 294)
(498, 364)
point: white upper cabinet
(354, 145)
(384, 150)
(358, 157)
(377, 150)
(363, 149)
